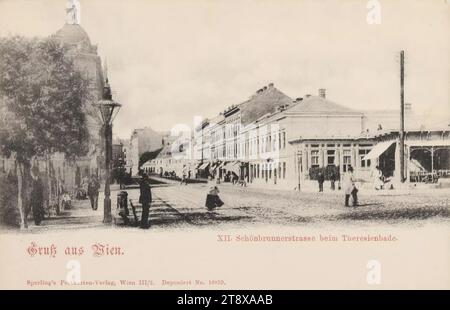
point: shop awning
(213, 167)
(378, 149)
(415, 166)
(203, 166)
(234, 166)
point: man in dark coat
(333, 179)
(145, 199)
(320, 179)
(37, 196)
(93, 187)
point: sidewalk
(79, 216)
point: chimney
(322, 93)
(408, 106)
(307, 95)
(270, 84)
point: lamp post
(108, 110)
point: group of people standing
(38, 193)
(321, 180)
(349, 184)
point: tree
(42, 103)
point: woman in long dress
(212, 199)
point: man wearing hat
(37, 196)
(145, 199)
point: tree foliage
(42, 105)
(42, 98)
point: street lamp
(108, 110)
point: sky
(171, 60)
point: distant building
(127, 156)
(118, 152)
(142, 140)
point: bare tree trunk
(49, 183)
(20, 204)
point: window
(275, 143)
(347, 160)
(284, 170)
(331, 157)
(279, 140)
(270, 170)
(364, 163)
(284, 139)
(315, 158)
(257, 170)
(279, 170)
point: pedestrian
(183, 179)
(333, 180)
(93, 188)
(378, 180)
(350, 187)
(145, 199)
(212, 199)
(37, 196)
(320, 179)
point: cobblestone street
(177, 206)
(245, 206)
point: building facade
(142, 140)
(271, 140)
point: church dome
(74, 35)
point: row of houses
(274, 140)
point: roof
(265, 101)
(387, 132)
(216, 120)
(165, 152)
(322, 106)
(74, 35)
(330, 138)
(364, 136)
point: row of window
(331, 158)
(252, 147)
(268, 171)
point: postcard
(222, 145)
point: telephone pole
(402, 116)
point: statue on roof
(73, 10)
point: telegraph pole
(402, 116)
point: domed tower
(88, 62)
